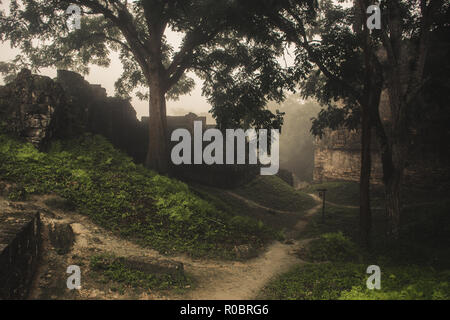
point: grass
(113, 269)
(98, 180)
(273, 192)
(346, 193)
(331, 247)
(347, 281)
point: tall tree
(136, 29)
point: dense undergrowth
(103, 183)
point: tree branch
(292, 35)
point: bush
(331, 247)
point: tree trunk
(158, 153)
(393, 204)
(364, 181)
(369, 106)
(398, 151)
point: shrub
(331, 247)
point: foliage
(114, 269)
(314, 282)
(106, 185)
(415, 267)
(331, 247)
(346, 193)
(224, 42)
(348, 281)
(272, 192)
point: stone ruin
(40, 109)
(337, 156)
(33, 107)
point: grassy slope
(105, 184)
(272, 192)
(417, 267)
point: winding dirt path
(215, 280)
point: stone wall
(19, 252)
(337, 157)
(112, 117)
(33, 107)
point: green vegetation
(334, 281)
(336, 219)
(331, 247)
(346, 193)
(272, 192)
(129, 199)
(113, 269)
(415, 267)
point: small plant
(18, 193)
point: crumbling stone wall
(40, 109)
(33, 107)
(112, 117)
(337, 156)
(19, 252)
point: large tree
(136, 29)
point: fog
(296, 141)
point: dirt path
(214, 279)
(243, 281)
